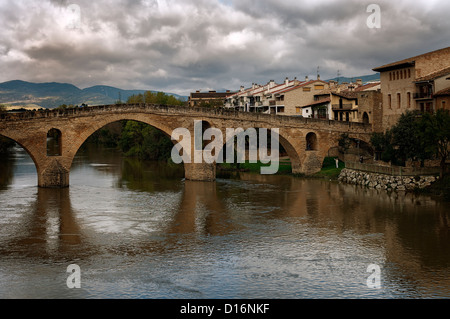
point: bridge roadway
(30, 130)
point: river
(139, 230)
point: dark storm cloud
(181, 46)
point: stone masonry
(30, 131)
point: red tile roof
(443, 92)
(321, 101)
(435, 75)
(367, 86)
(297, 86)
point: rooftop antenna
(338, 76)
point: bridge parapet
(189, 111)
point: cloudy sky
(181, 46)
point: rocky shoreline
(387, 182)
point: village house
(259, 98)
(411, 84)
(291, 100)
(207, 99)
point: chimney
(318, 76)
(306, 79)
(359, 82)
(228, 91)
(198, 91)
(271, 84)
(242, 88)
(286, 82)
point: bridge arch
(284, 142)
(88, 132)
(311, 141)
(26, 149)
(54, 142)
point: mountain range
(51, 95)
(364, 78)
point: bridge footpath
(307, 141)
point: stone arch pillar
(53, 174)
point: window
(399, 100)
(409, 99)
(319, 87)
(298, 109)
(311, 142)
(307, 89)
(54, 147)
(389, 101)
(409, 73)
(444, 105)
(390, 76)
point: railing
(345, 107)
(425, 95)
(177, 110)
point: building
(299, 100)
(410, 84)
(443, 99)
(431, 91)
(208, 99)
(259, 98)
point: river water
(139, 230)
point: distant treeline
(154, 98)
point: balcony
(423, 96)
(343, 107)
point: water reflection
(6, 170)
(251, 236)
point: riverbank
(431, 185)
(329, 170)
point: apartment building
(292, 100)
(208, 99)
(411, 84)
(431, 91)
(259, 98)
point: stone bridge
(306, 141)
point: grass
(328, 171)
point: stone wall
(387, 182)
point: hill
(364, 78)
(51, 95)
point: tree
(382, 144)
(136, 99)
(344, 143)
(434, 135)
(406, 139)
